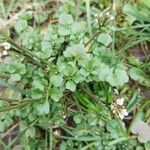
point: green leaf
(140, 76)
(15, 88)
(38, 85)
(146, 3)
(77, 50)
(14, 77)
(30, 132)
(70, 85)
(36, 94)
(56, 80)
(115, 129)
(21, 25)
(44, 108)
(77, 119)
(133, 101)
(65, 19)
(76, 27)
(103, 72)
(63, 30)
(117, 78)
(56, 94)
(41, 18)
(104, 39)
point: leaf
(117, 78)
(141, 129)
(36, 94)
(77, 119)
(76, 27)
(65, 19)
(138, 75)
(30, 132)
(44, 108)
(133, 101)
(14, 78)
(15, 88)
(103, 72)
(146, 3)
(75, 51)
(21, 25)
(70, 85)
(56, 94)
(56, 80)
(104, 39)
(114, 128)
(38, 85)
(62, 30)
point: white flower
(6, 45)
(123, 113)
(111, 17)
(95, 15)
(5, 53)
(107, 13)
(120, 101)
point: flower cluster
(107, 14)
(118, 107)
(6, 46)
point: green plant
(61, 83)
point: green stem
(88, 17)
(2, 7)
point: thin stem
(26, 51)
(3, 9)
(88, 17)
(113, 31)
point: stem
(88, 17)
(3, 9)
(21, 49)
(113, 23)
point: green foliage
(61, 82)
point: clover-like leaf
(43, 108)
(65, 19)
(21, 25)
(70, 85)
(104, 39)
(56, 94)
(63, 30)
(56, 80)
